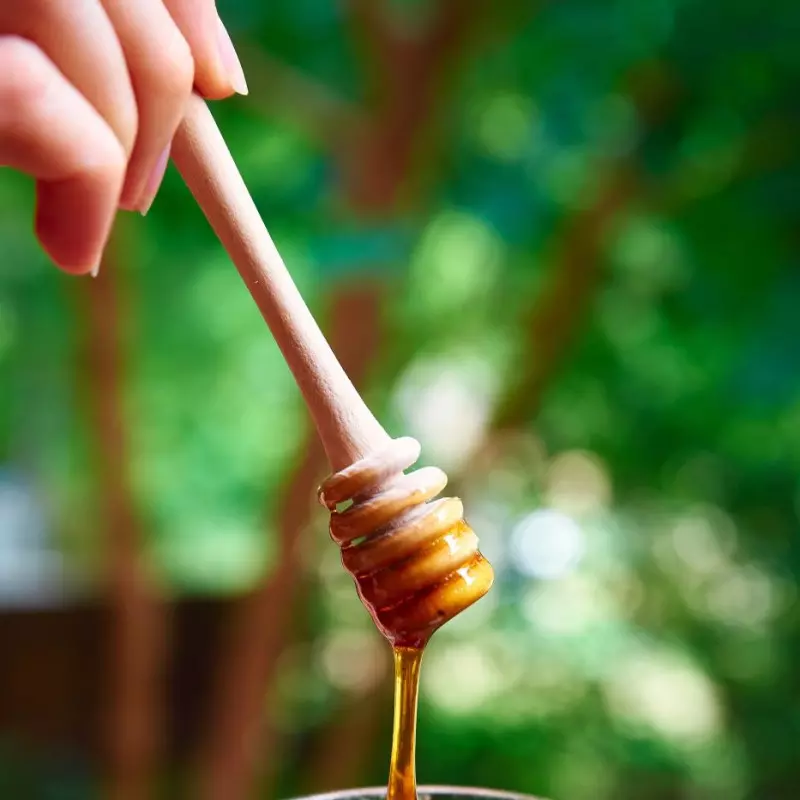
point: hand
(91, 93)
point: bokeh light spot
(461, 678)
(577, 483)
(547, 544)
(667, 694)
(456, 262)
(446, 403)
(505, 126)
(354, 661)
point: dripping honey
(402, 777)
(438, 604)
(416, 565)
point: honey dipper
(414, 559)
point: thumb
(218, 72)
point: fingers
(91, 93)
(49, 130)
(79, 39)
(162, 73)
(218, 72)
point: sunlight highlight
(577, 483)
(446, 403)
(743, 597)
(667, 694)
(32, 572)
(457, 261)
(569, 607)
(461, 678)
(354, 661)
(505, 126)
(547, 544)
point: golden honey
(416, 564)
(402, 777)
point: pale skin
(91, 94)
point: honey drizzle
(416, 565)
(402, 771)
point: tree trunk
(133, 721)
(335, 763)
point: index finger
(50, 131)
(218, 72)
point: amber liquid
(402, 775)
(413, 574)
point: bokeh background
(555, 241)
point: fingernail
(231, 60)
(153, 182)
(95, 271)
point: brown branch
(408, 72)
(238, 730)
(385, 33)
(252, 649)
(335, 762)
(309, 106)
(369, 24)
(576, 259)
(765, 148)
(133, 725)
(560, 309)
(383, 146)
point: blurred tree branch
(761, 149)
(134, 724)
(241, 729)
(560, 309)
(334, 762)
(576, 259)
(405, 71)
(312, 108)
(381, 142)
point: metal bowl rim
(379, 792)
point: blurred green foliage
(651, 650)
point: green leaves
(667, 429)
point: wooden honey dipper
(416, 563)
